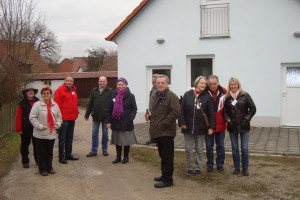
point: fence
(7, 118)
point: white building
(256, 41)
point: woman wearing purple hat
(120, 120)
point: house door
(158, 69)
(290, 95)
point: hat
(122, 80)
(29, 87)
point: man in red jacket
(66, 98)
(218, 95)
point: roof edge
(127, 20)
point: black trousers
(26, 138)
(166, 152)
(44, 154)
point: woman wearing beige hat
(23, 125)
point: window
(166, 72)
(47, 82)
(214, 18)
(200, 67)
(293, 76)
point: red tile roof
(79, 62)
(38, 65)
(61, 76)
(128, 19)
(110, 63)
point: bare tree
(95, 58)
(22, 30)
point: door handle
(284, 93)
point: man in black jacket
(98, 107)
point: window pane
(166, 72)
(200, 67)
(293, 75)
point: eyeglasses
(44, 93)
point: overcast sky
(83, 24)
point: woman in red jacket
(23, 125)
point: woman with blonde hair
(45, 117)
(238, 110)
(197, 119)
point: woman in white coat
(45, 117)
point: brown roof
(79, 62)
(61, 76)
(38, 65)
(65, 66)
(127, 20)
(110, 63)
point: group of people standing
(39, 120)
(203, 114)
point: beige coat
(38, 118)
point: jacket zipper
(194, 117)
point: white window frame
(220, 24)
(189, 70)
(47, 82)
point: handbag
(202, 111)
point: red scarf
(50, 120)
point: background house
(256, 41)
(84, 81)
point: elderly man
(66, 98)
(165, 111)
(98, 107)
(217, 93)
(152, 97)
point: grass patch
(9, 151)
(252, 186)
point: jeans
(235, 149)
(65, 138)
(189, 141)
(220, 149)
(95, 136)
(165, 146)
(44, 154)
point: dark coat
(239, 114)
(26, 108)
(99, 104)
(129, 113)
(192, 117)
(165, 111)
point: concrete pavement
(273, 141)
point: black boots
(119, 152)
(126, 152)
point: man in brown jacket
(165, 111)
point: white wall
(39, 84)
(261, 38)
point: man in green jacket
(165, 112)
(98, 107)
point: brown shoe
(44, 173)
(105, 153)
(51, 171)
(91, 154)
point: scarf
(50, 120)
(234, 95)
(118, 106)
